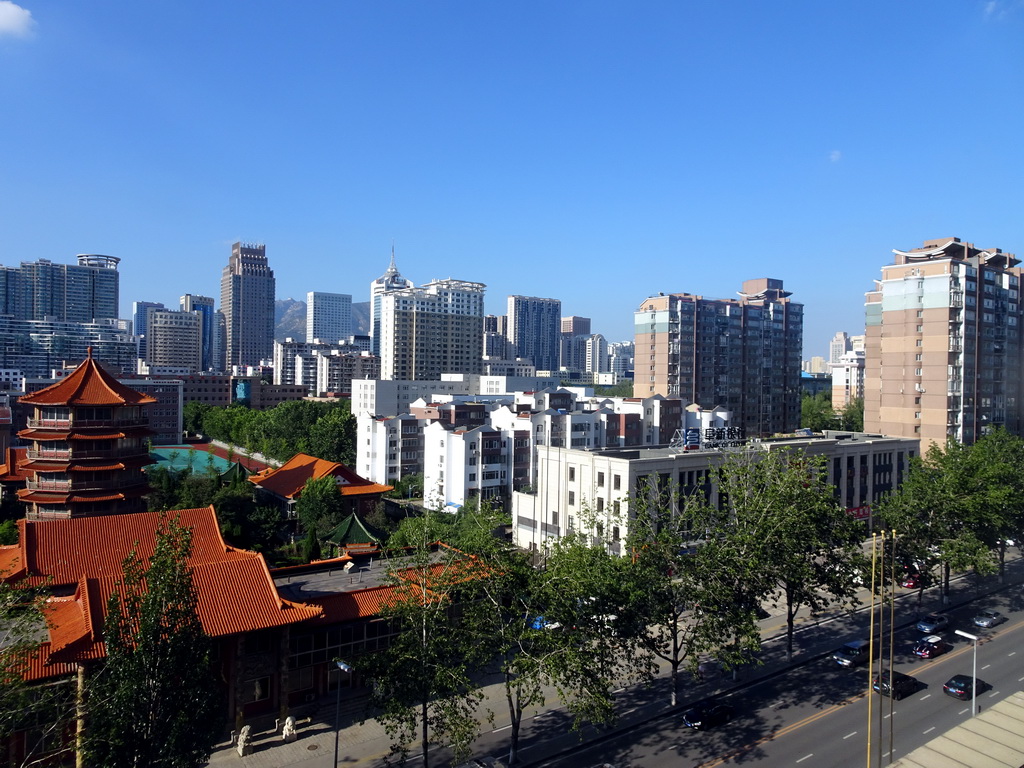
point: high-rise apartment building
(204, 307)
(943, 344)
(848, 379)
(574, 325)
(85, 292)
(838, 346)
(328, 316)
(434, 329)
(391, 280)
(174, 339)
(741, 354)
(534, 330)
(140, 322)
(247, 301)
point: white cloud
(835, 156)
(15, 21)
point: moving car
(961, 687)
(932, 623)
(852, 654)
(707, 714)
(987, 619)
(900, 685)
(931, 646)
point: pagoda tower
(87, 447)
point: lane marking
(504, 727)
(929, 730)
(849, 735)
(925, 696)
(805, 757)
(994, 693)
(964, 710)
(986, 667)
(1012, 653)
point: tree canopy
(154, 701)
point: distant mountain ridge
(290, 319)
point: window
(257, 689)
(616, 482)
(600, 479)
(572, 498)
(917, 371)
(600, 505)
(918, 343)
(572, 474)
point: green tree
(332, 437)
(320, 507)
(816, 412)
(851, 417)
(422, 681)
(44, 712)
(407, 487)
(154, 701)
(947, 512)
(803, 546)
(193, 414)
(691, 598)
(623, 389)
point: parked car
(932, 623)
(961, 687)
(900, 685)
(931, 646)
(707, 714)
(912, 581)
(852, 654)
(987, 619)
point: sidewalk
(367, 744)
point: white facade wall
(576, 488)
(328, 316)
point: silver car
(988, 619)
(933, 623)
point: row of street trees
(585, 621)
(958, 508)
(326, 430)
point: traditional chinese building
(87, 447)
(284, 484)
(79, 561)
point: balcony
(49, 486)
(49, 455)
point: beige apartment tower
(943, 345)
(434, 329)
(741, 354)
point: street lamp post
(974, 671)
(342, 667)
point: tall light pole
(974, 671)
(342, 667)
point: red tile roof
(88, 384)
(236, 592)
(288, 480)
(10, 471)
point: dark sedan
(961, 687)
(707, 714)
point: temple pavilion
(87, 447)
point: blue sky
(596, 152)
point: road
(816, 715)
